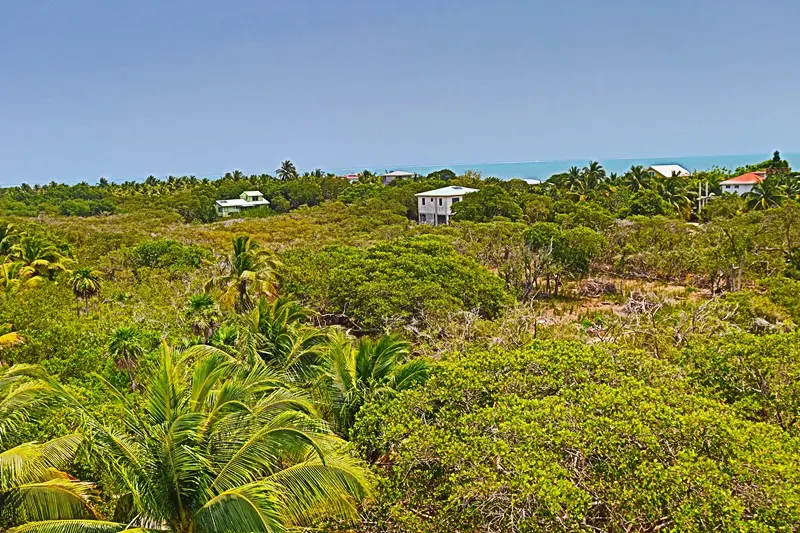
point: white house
(744, 183)
(531, 181)
(395, 174)
(245, 200)
(434, 206)
(666, 171)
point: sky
(125, 89)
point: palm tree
(218, 447)
(675, 191)
(277, 333)
(204, 315)
(250, 275)
(39, 259)
(33, 485)
(764, 195)
(85, 283)
(287, 171)
(8, 237)
(125, 346)
(636, 178)
(353, 373)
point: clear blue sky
(124, 89)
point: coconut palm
(33, 485)
(85, 284)
(250, 274)
(636, 178)
(8, 237)
(287, 171)
(764, 195)
(353, 373)
(278, 334)
(125, 346)
(218, 447)
(675, 191)
(38, 258)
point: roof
(397, 174)
(238, 202)
(668, 170)
(751, 178)
(351, 176)
(253, 193)
(531, 181)
(453, 190)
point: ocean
(545, 169)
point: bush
(567, 437)
(166, 253)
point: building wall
(437, 210)
(738, 189)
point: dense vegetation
(590, 354)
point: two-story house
(246, 199)
(435, 207)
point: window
(456, 200)
(423, 201)
(440, 201)
(422, 218)
(735, 186)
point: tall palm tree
(278, 334)
(250, 274)
(636, 178)
(675, 191)
(33, 485)
(287, 171)
(764, 195)
(218, 447)
(125, 346)
(85, 284)
(352, 373)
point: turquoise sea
(545, 169)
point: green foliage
(576, 437)
(165, 253)
(400, 282)
(486, 204)
(648, 203)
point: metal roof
(453, 190)
(668, 170)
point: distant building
(246, 199)
(666, 171)
(744, 183)
(531, 181)
(389, 177)
(434, 206)
(352, 178)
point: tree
(764, 195)
(33, 485)
(636, 178)
(8, 237)
(279, 336)
(125, 346)
(218, 447)
(204, 315)
(287, 171)
(85, 284)
(354, 373)
(485, 204)
(250, 274)
(39, 259)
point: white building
(531, 181)
(667, 171)
(434, 206)
(389, 177)
(246, 199)
(742, 184)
